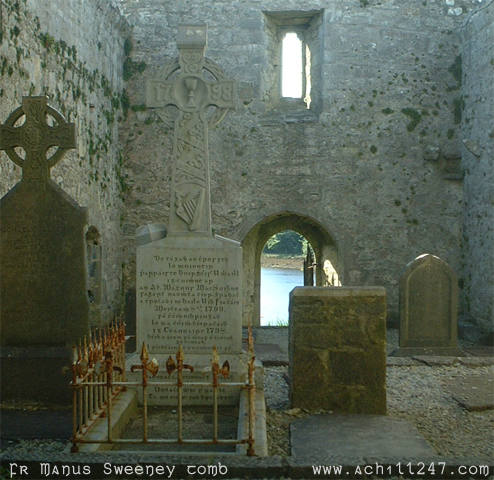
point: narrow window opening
(293, 73)
(93, 249)
(292, 66)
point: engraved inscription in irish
(190, 299)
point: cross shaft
(191, 93)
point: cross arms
(160, 94)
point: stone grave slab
(338, 349)
(474, 393)
(428, 309)
(44, 306)
(481, 351)
(437, 360)
(401, 361)
(321, 438)
(477, 361)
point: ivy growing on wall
(76, 86)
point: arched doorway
(282, 269)
(322, 242)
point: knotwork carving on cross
(186, 84)
(36, 136)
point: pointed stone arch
(255, 235)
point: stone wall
(478, 163)
(73, 52)
(375, 162)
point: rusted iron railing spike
(144, 353)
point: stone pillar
(338, 349)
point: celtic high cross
(192, 94)
(35, 136)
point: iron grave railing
(98, 377)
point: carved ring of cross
(215, 70)
(12, 120)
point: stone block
(337, 348)
(475, 393)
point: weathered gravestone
(44, 305)
(189, 283)
(337, 349)
(428, 308)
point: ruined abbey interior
(388, 152)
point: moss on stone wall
(415, 117)
(34, 60)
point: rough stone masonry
(401, 110)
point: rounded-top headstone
(428, 308)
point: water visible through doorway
(276, 285)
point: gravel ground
(414, 393)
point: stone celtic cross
(35, 136)
(192, 93)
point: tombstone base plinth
(164, 395)
(430, 351)
(36, 374)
